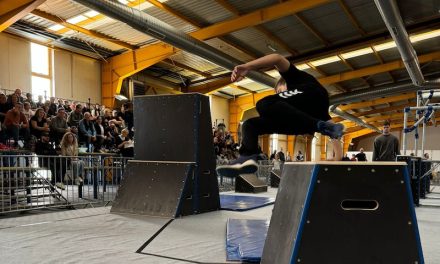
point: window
(41, 71)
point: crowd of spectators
(25, 122)
(224, 145)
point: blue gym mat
(243, 203)
(245, 239)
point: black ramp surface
(178, 128)
(153, 188)
(275, 177)
(355, 213)
(206, 182)
(172, 126)
(249, 183)
(286, 213)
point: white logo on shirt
(288, 94)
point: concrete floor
(96, 236)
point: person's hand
(46, 129)
(239, 73)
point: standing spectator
(386, 146)
(86, 129)
(39, 123)
(361, 155)
(16, 124)
(58, 126)
(281, 155)
(272, 156)
(76, 116)
(30, 101)
(299, 156)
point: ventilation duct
(391, 16)
(333, 109)
(168, 34)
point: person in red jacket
(16, 124)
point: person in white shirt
(27, 111)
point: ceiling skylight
(76, 19)
(56, 27)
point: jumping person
(300, 106)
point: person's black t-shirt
(296, 79)
(361, 156)
(308, 94)
(35, 132)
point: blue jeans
(15, 132)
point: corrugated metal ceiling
(329, 20)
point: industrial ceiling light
(56, 27)
(272, 48)
(91, 13)
(356, 53)
(121, 97)
(76, 19)
(323, 61)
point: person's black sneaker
(234, 170)
(334, 131)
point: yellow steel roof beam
(119, 67)
(256, 18)
(98, 17)
(12, 11)
(91, 33)
(386, 67)
(379, 101)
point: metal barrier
(29, 182)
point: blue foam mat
(245, 239)
(243, 203)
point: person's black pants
(279, 114)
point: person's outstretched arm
(271, 60)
